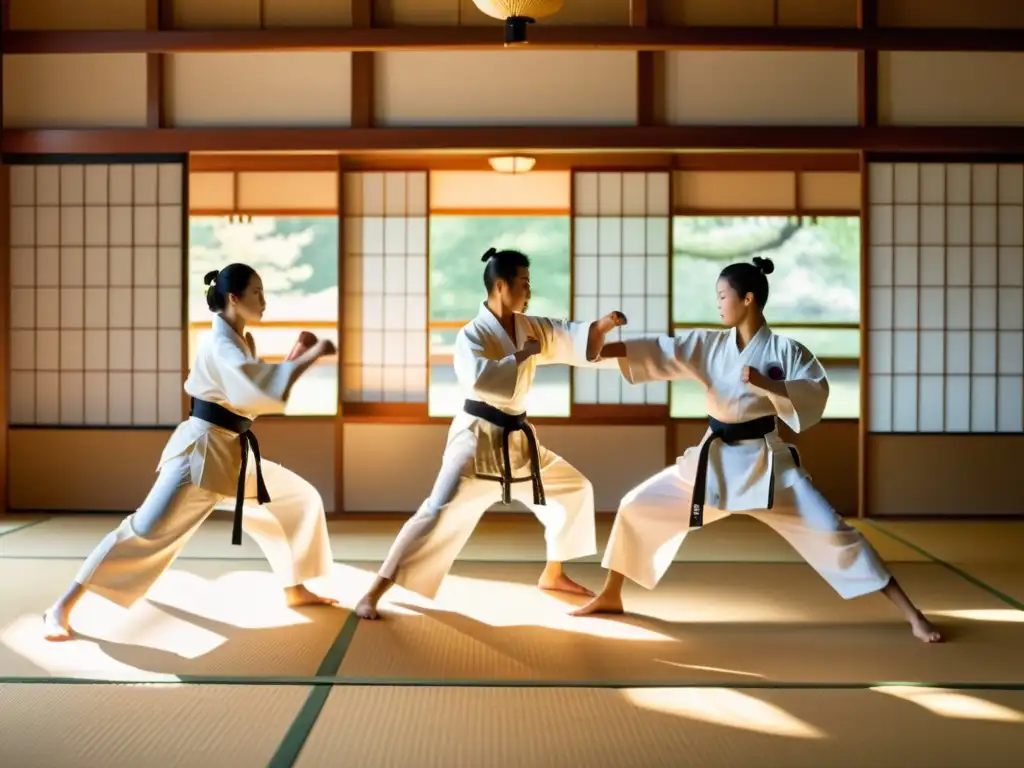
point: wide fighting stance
(207, 463)
(752, 376)
(491, 442)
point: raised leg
(129, 559)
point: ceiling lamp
(512, 164)
(517, 14)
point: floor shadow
(680, 653)
(292, 650)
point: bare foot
(299, 596)
(601, 604)
(562, 583)
(56, 627)
(367, 609)
(924, 630)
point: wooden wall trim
(867, 66)
(865, 351)
(5, 291)
(284, 163)
(867, 117)
(566, 161)
(339, 416)
(362, 86)
(632, 38)
(156, 11)
(987, 140)
(5, 357)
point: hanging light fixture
(512, 163)
(517, 14)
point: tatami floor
(743, 657)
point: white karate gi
(487, 371)
(199, 472)
(654, 518)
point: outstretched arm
(574, 343)
(660, 358)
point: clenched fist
(753, 377)
(531, 347)
(306, 341)
(611, 321)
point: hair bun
(211, 277)
(764, 266)
(487, 256)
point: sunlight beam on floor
(953, 704)
(724, 707)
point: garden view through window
(297, 259)
(814, 296)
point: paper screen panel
(385, 322)
(96, 272)
(946, 320)
(621, 250)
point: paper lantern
(517, 14)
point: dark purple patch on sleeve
(775, 372)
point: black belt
(509, 424)
(225, 419)
(729, 433)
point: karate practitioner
(213, 459)
(491, 441)
(752, 377)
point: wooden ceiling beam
(635, 38)
(981, 140)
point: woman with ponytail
(753, 377)
(213, 460)
(492, 453)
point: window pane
(827, 342)
(457, 290)
(817, 265)
(297, 259)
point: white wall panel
(761, 87)
(507, 87)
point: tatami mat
(706, 622)
(1008, 578)
(704, 728)
(500, 538)
(201, 618)
(10, 524)
(126, 726)
(963, 541)
(428, 686)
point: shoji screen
(96, 293)
(946, 278)
(385, 324)
(621, 261)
